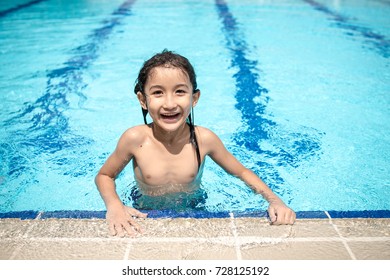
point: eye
(157, 93)
(181, 92)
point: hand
(120, 220)
(280, 214)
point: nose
(169, 101)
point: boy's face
(168, 97)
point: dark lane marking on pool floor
(378, 41)
(48, 127)
(257, 124)
(19, 7)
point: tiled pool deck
(174, 236)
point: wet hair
(170, 59)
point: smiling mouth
(170, 116)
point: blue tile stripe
(156, 214)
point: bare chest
(161, 166)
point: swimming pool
(297, 90)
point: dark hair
(165, 59)
(169, 59)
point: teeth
(170, 115)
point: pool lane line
(377, 40)
(247, 87)
(385, 2)
(44, 119)
(19, 7)
(48, 130)
(68, 79)
(252, 99)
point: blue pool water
(299, 91)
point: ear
(142, 100)
(195, 97)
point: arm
(278, 211)
(119, 216)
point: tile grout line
(343, 240)
(127, 252)
(38, 217)
(221, 239)
(235, 234)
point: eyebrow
(161, 87)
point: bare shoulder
(205, 134)
(134, 135)
(207, 138)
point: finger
(129, 229)
(111, 228)
(272, 214)
(135, 213)
(289, 218)
(286, 219)
(119, 230)
(136, 226)
(293, 218)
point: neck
(170, 137)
